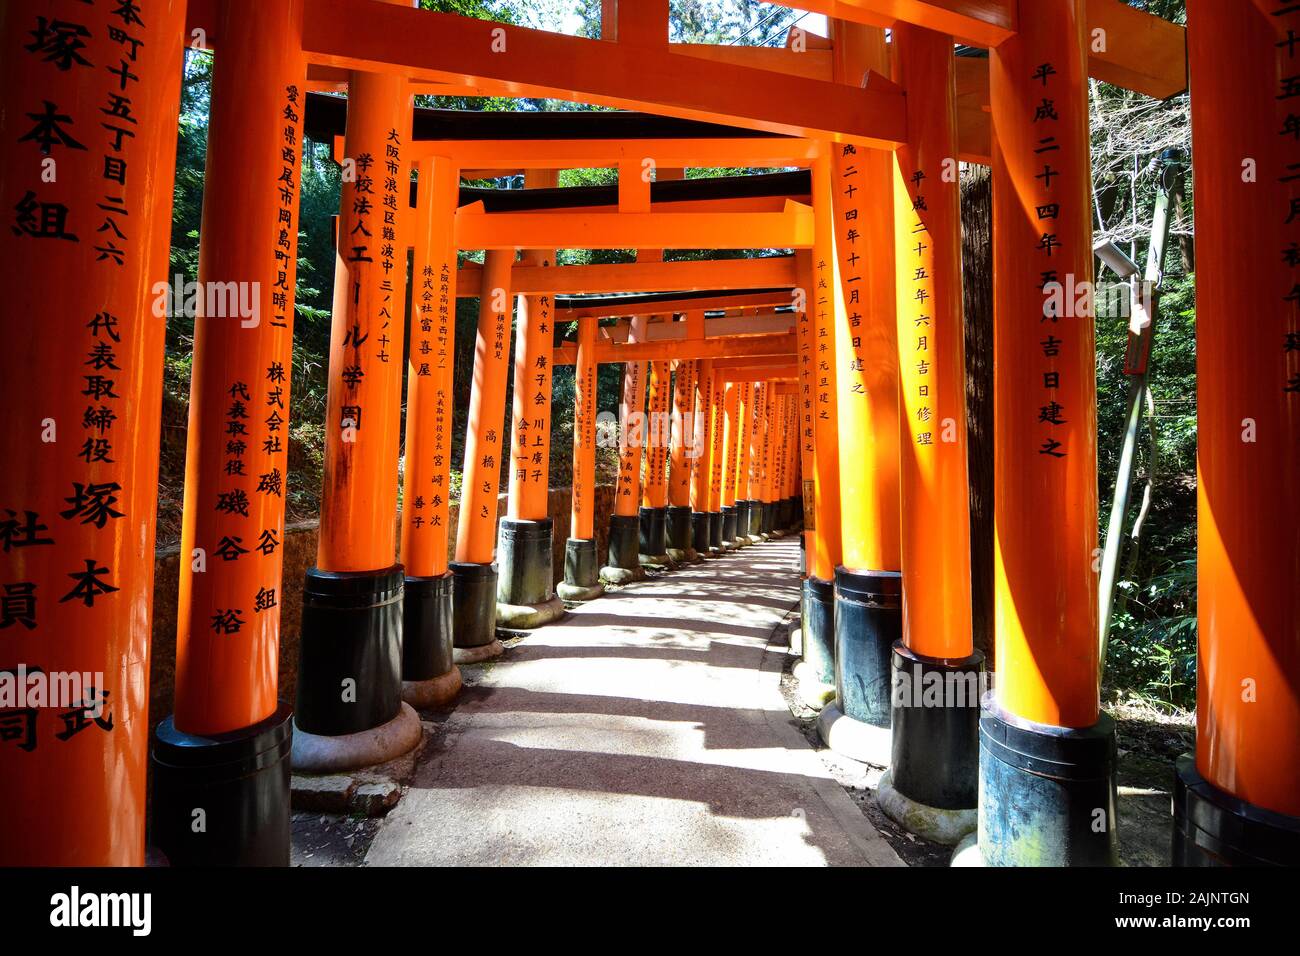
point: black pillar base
(753, 513)
(730, 519)
(351, 631)
(525, 574)
(715, 530)
(769, 517)
(700, 531)
(678, 528)
(624, 538)
(936, 716)
(742, 521)
(427, 628)
(868, 620)
(1046, 794)
(1214, 828)
(803, 554)
(818, 613)
(240, 783)
(580, 567)
(781, 514)
(653, 540)
(473, 604)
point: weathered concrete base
(436, 692)
(612, 575)
(853, 738)
(315, 753)
(693, 556)
(368, 792)
(715, 552)
(474, 655)
(573, 592)
(967, 852)
(931, 823)
(813, 693)
(756, 539)
(528, 616)
(678, 556)
(656, 561)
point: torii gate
(885, 517)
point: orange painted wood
(358, 526)
(430, 391)
(1248, 401)
(484, 436)
(82, 384)
(935, 509)
(1045, 400)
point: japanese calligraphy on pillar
(1048, 197)
(88, 113)
(716, 436)
(631, 431)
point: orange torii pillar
(744, 430)
(932, 782)
(855, 187)
(816, 672)
(226, 747)
(581, 568)
(350, 710)
(790, 460)
(717, 460)
(430, 676)
(1047, 754)
(1238, 802)
(89, 138)
(622, 562)
(805, 407)
(731, 451)
(678, 529)
(699, 457)
(770, 442)
(757, 429)
(474, 572)
(653, 543)
(526, 584)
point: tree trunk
(977, 292)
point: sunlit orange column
(654, 494)
(699, 456)
(731, 455)
(350, 660)
(819, 275)
(756, 429)
(771, 442)
(717, 460)
(474, 595)
(87, 195)
(868, 607)
(805, 411)
(1045, 462)
(622, 562)
(526, 585)
(744, 456)
(678, 529)
(935, 742)
(228, 608)
(1239, 803)
(430, 677)
(581, 566)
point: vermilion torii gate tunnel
(821, 388)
